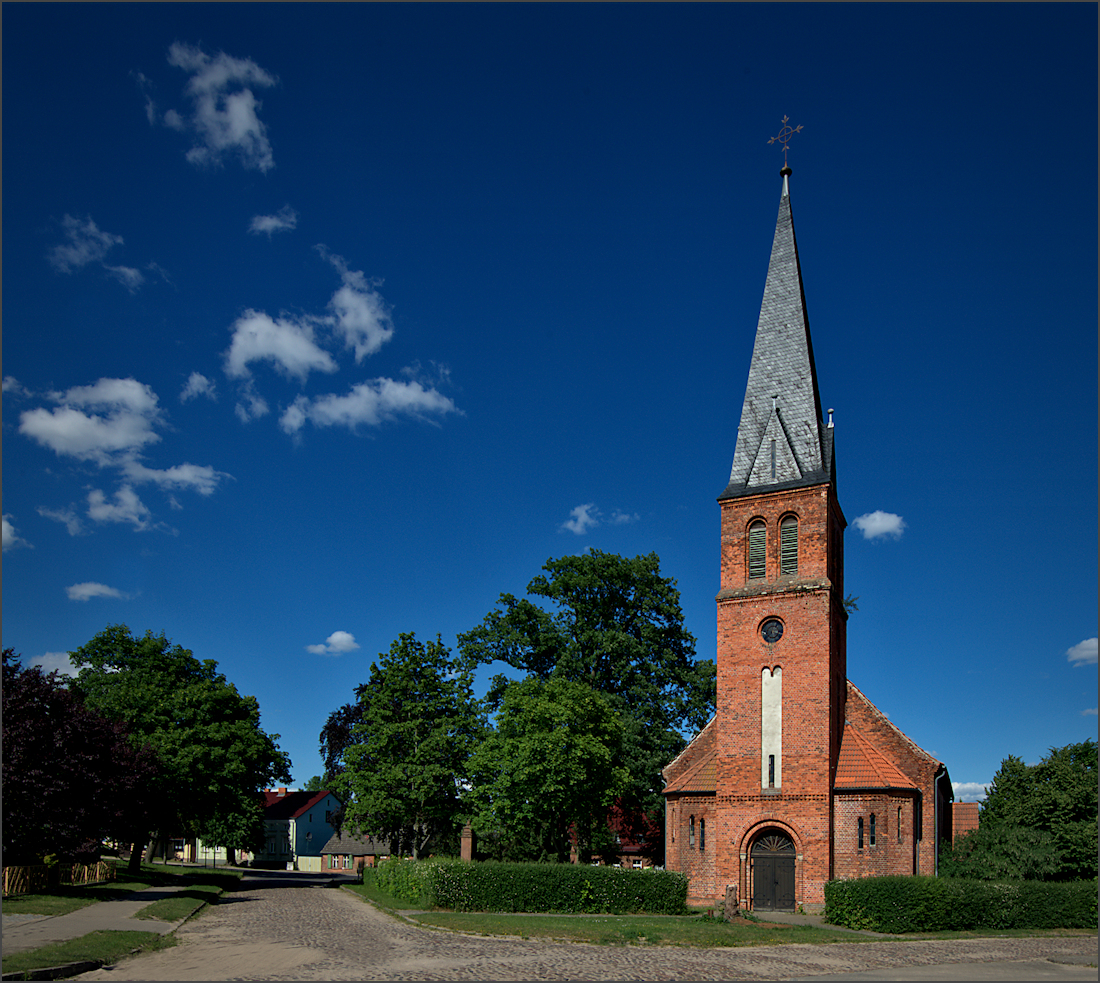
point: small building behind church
(798, 778)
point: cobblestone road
(271, 932)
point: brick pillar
(467, 849)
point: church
(798, 778)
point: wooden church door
(773, 873)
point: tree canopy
(215, 759)
(1038, 822)
(71, 777)
(403, 747)
(615, 625)
(549, 773)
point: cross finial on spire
(784, 137)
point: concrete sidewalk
(22, 932)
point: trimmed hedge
(561, 888)
(935, 904)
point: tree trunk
(135, 854)
(230, 856)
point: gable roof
(700, 777)
(280, 804)
(781, 441)
(356, 846)
(862, 765)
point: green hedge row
(563, 888)
(933, 904)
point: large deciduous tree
(1038, 822)
(403, 760)
(614, 624)
(215, 758)
(70, 776)
(546, 778)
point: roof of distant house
(281, 804)
(356, 846)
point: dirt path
(272, 932)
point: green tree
(549, 771)
(71, 778)
(1038, 822)
(315, 784)
(215, 759)
(406, 760)
(614, 624)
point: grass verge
(70, 898)
(182, 904)
(688, 930)
(100, 947)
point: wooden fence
(41, 878)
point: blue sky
(326, 323)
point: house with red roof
(297, 825)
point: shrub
(561, 888)
(931, 904)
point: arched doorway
(773, 871)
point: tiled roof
(702, 777)
(290, 805)
(356, 846)
(862, 765)
(780, 442)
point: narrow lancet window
(788, 546)
(872, 830)
(702, 834)
(758, 543)
(859, 833)
(691, 832)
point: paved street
(272, 930)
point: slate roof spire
(782, 441)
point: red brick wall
(892, 853)
(919, 766)
(697, 859)
(812, 656)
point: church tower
(798, 778)
(781, 620)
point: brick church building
(798, 778)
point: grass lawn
(102, 947)
(691, 930)
(182, 904)
(70, 898)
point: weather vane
(784, 137)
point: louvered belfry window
(758, 542)
(788, 546)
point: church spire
(781, 441)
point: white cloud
(367, 403)
(877, 524)
(251, 405)
(287, 342)
(13, 386)
(90, 589)
(361, 315)
(582, 518)
(85, 243)
(970, 791)
(198, 385)
(67, 516)
(1083, 653)
(285, 219)
(623, 518)
(130, 278)
(1089, 713)
(224, 118)
(126, 507)
(337, 643)
(121, 422)
(12, 539)
(201, 478)
(55, 661)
